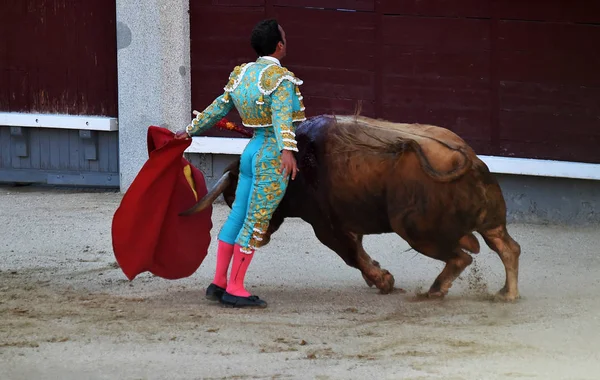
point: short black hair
(265, 37)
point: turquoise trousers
(261, 186)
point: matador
(267, 98)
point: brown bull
(360, 176)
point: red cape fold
(147, 232)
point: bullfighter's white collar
(273, 59)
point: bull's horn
(212, 195)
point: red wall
(513, 78)
(58, 56)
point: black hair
(265, 37)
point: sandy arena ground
(68, 312)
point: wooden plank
(581, 11)
(212, 22)
(336, 83)
(74, 147)
(230, 3)
(324, 105)
(70, 55)
(63, 153)
(20, 83)
(549, 53)
(234, 25)
(550, 67)
(50, 95)
(467, 67)
(5, 161)
(548, 115)
(112, 152)
(547, 127)
(467, 123)
(5, 13)
(54, 139)
(440, 8)
(34, 149)
(350, 56)
(45, 149)
(584, 151)
(542, 36)
(104, 140)
(439, 33)
(15, 160)
(4, 87)
(94, 165)
(331, 25)
(357, 5)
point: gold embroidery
(266, 121)
(272, 76)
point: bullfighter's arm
(281, 111)
(218, 109)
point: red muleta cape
(147, 232)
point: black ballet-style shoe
(229, 300)
(214, 292)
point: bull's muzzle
(212, 195)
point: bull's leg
(456, 261)
(509, 251)
(372, 271)
(455, 265)
(349, 248)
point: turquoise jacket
(265, 94)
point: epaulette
(272, 76)
(236, 76)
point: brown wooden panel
(549, 53)
(585, 150)
(584, 11)
(449, 8)
(316, 105)
(332, 51)
(437, 71)
(5, 13)
(523, 89)
(230, 3)
(358, 5)
(549, 95)
(437, 33)
(545, 112)
(64, 61)
(315, 24)
(470, 124)
(469, 67)
(336, 83)
(220, 40)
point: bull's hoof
(369, 282)
(435, 295)
(386, 285)
(504, 296)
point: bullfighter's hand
(288, 164)
(181, 135)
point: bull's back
(366, 191)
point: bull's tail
(446, 176)
(367, 140)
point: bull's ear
(223, 183)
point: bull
(360, 176)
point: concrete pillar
(153, 41)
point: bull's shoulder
(272, 76)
